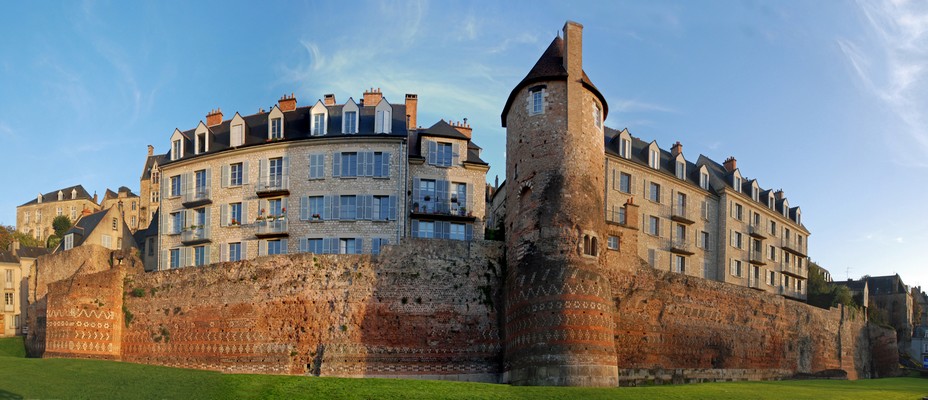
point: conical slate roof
(550, 67)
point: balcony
(792, 247)
(681, 246)
(756, 257)
(274, 185)
(449, 210)
(755, 282)
(197, 197)
(195, 236)
(792, 270)
(269, 228)
(681, 214)
(792, 293)
(757, 231)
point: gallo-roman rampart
(424, 309)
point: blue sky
(825, 100)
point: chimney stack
(573, 49)
(372, 97)
(329, 99)
(731, 164)
(676, 149)
(412, 103)
(287, 103)
(779, 195)
(213, 118)
(151, 150)
(95, 198)
(462, 127)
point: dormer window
(625, 148)
(238, 135)
(60, 195)
(384, 117)
(680, 168)
(755, 192)
(351, 122)
(598, 115)
(201, 143)
(704, 180)
(736, 182)
(785, 208)
(536, 100)
(177, 149)
(277, 129)
(318, 124)
(654, 158)
(770, 203)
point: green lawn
(71, 379)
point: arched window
(586, 244)
(593, 247)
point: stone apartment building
(150, 187)
(327, 178)
(15, 266)
(131, 205)
(35, 217)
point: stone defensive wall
(424, 309)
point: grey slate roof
(444, 130)
(296, 127)
(53, 195)
(122, 189)
(886, 284)
(32, 252)
(150, 162)
(8, 257)
(550, 67)
(85, 225)
(857, 286)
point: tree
(823, 294)
(8, 234)
(61, 224)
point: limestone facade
(131, 206)
(323, 179)
(35, 217)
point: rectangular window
(457, 231)
(654, 194)
(426, 229)
(739, 212)
(681, 232)
(201, 143)
(598, 115)
(200, 185)
(351, 118)
(58, 212)
(538, 102)
(613, 243)
(625, 183)
(679, 264)
(276, 128)
(107, 241)
(175, 258)
(654, 159)
(177, 223)
(235, 214)
(275, 247)
(737, 240)
(704, 180)
(704, 239)
(349, 164)
(316, 207)
(652, 257)
(175, 149)
(773, 278)
(9, 276)
(736, 267)
(314, 246)
(235, 251)
(654, 226)
(316, 166)
(444, 156)
(380, 208)
(318, 124)
(348, 207)
(8, 299)
(235, 174)
(377, 244)
(623, 218)
(275, 171)
(625, 147)
(773, 228)
(381, 164)
(238, 135)
(69, 241)
(175, 186)
(199, 256)
(348, 246)
(681, 170)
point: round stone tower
(559, 315)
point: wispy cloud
(892, 69)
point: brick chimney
(412, 103)
(676, 149)
(731, 164)
(329, 99)
(95, 198)
(372, 97)
(779, 195)
(151, 150)
(287, 103)
(462, 127)
(214, 117)
(573, 51)
(631, 213)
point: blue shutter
(304, 208)
(414, 228)
(224, 176)
(386, 164)
(441, 196)
(358, 245)
(245, 174)
(369, 171)
(283, 246)
(368, 206)
(416, 196)
(223, 214)
(244, 218)
(262, 167)
(433, 152)
(392, 215)
(468, 232)
(327, 207)
(337, 165)
(336, 205)
(262, 248)
(455, 156)
(304, 245)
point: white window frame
(237, 135)
(536, 101)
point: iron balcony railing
(197, 194)
(681, 213)
(195, 234)
(273, 183)
(440, 207)
(757, 230)
(270, 227)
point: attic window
(654, 158)
(318, 124)
(625, 148)
(69, 241)
(177, 149)
(755, 193)
(704, 180)
(277, 131)
(681, 170)
(237, 136)
(737, 183)
(351, 122)
(536, 100)
(383, 121)
(201, 143)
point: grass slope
(74, 379)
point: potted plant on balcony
(463, 211)
(428, 198)
(415, 207)
(234, 222)
(316, 217)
